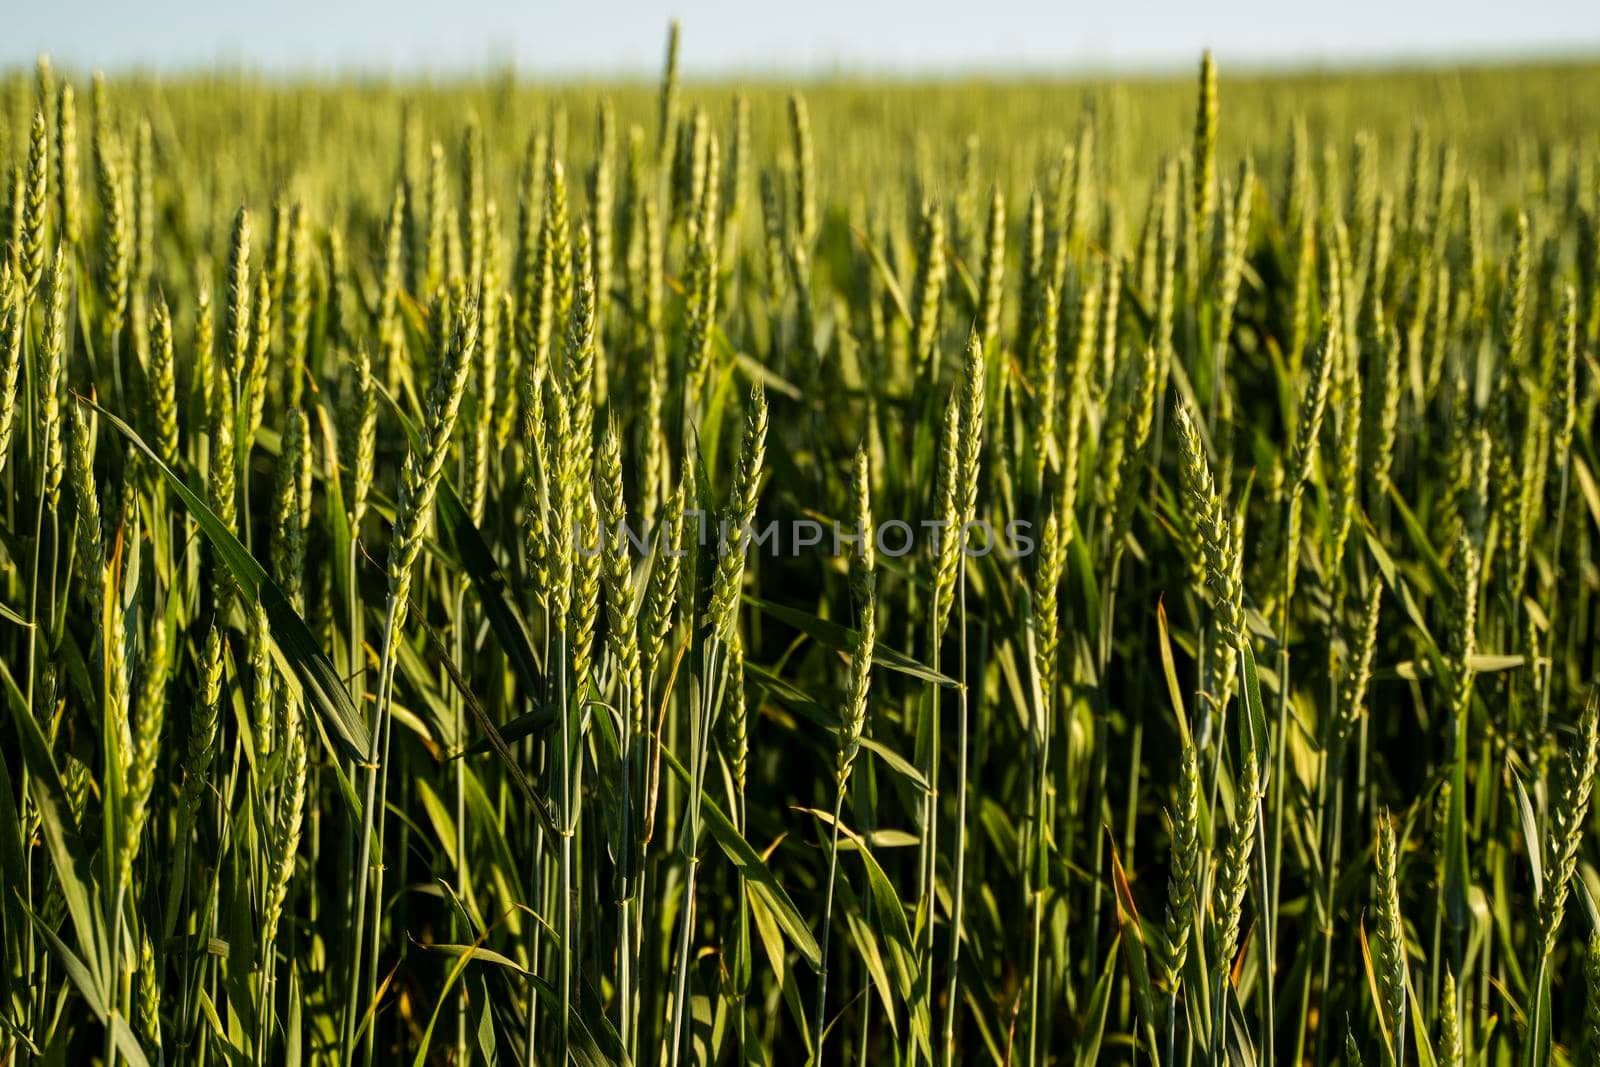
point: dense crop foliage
(434, 624)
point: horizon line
(845, 70)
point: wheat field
(1033, 571)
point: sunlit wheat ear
(805, 311)
(1358, 667)
(1345, 489)
(201, 748)
(947, 546)
(164, 383)
(929, 288)
(580, 364)
(263, 684)
(1053, 543)
(741, 509)
(1183, 882)
(1383, 416)
(297, 299)
(667, 114)
(1233, 235)
(1450, 1051)
(652, 341)
(551, 541)
(1463, 625)
(1518, 271)
(1388, 937)
(1205, 143)
(1045, 375)
(363, 426)
(253, 399)
(738, 173)
(774, 225)
(863, 585)
(288, 537)
(702, 311)
(1167, 240)
(966, 237)
(994, 270)
(1079, 386)
(1568, 817)
(436, 202)
(1314, 400)
(579, 357)
(86, 500)
(341, 304)
(1111, 296)
(1218, 547)
(144, 220)
(1138, 413)
(286, 829)
(221, 485)
(390, 279)
(1304, 242)
(509, 370)
(275, 261)
(662, 594)
(556, 248)
(52, 358)
(148, 715)
(31, 252)
(972, 386)
(601, 213)
(805, 169)
(853, 713)
(1563, 412)
(202, 375)
(688, 176)
(11, 325)
(238, 318)
(1233, 870)
(419, 479)
(475, 206)
(737, 717)
(67, 216)
(149, 993)
(617, 568)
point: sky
(599, 38)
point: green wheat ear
(929, 289)
(1218, 547)
(1233, 871)
(725, 584)
(31, 252)
(617, 571)
(52, 359)
(12, 318)
(1205, 144)
(86, 499)
(164, 382)
(948, 545)
(1568, 816)
(67, 165)
(1450, 1051)
(1183, 882)
(863, 585)
(1388, 943)
(805, 170)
